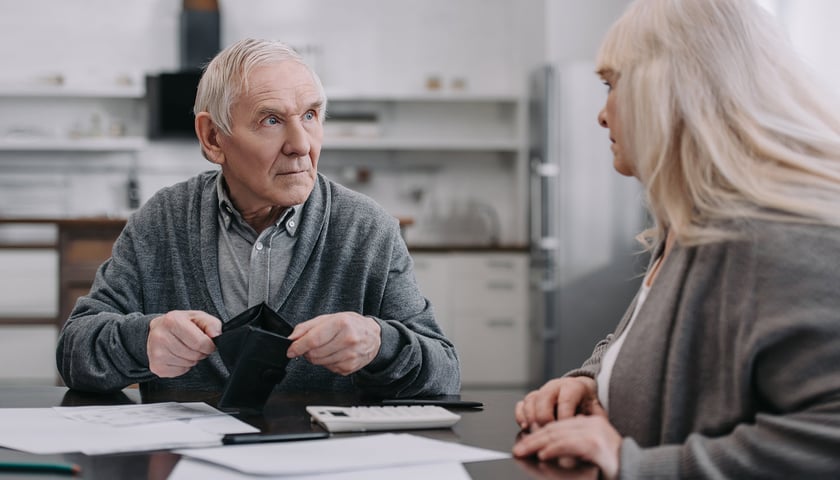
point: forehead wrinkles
(289, 88)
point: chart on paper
(130, 415)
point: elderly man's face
(271, 156)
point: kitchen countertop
(404, 221)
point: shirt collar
(226, 208)
(290, 217)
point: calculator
(380, 417)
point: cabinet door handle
(501, 323)
(506, 264)
(500, 285)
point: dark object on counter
(447, 401)
(246, 438)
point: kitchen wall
(360, 47)
(812, 27)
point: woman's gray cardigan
(732, 367)
(349, 256)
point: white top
(608, 360)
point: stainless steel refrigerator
(585, 262)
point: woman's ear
(208, 136)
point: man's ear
(208, 136)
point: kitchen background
(472, 120)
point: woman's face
(608, 118)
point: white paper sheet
(46, 430)
(340, 454)
(188, 469)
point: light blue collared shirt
(252, 265)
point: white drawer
(490, 283)
(28, 283)
(490, 265)
(27, 354)
(492, 350)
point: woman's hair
(226, 77)
(722, 119)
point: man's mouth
(292, 172)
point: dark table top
(492, 427)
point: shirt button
(291, 224)
(259, 246)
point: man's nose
(297, 140)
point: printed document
(113, 429)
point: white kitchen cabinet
(481, 298)
(52, 133)
(70, 147)
(28, 306)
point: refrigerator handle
(544, 217)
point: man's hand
(179, 340)
(342, 342)
(559, 399)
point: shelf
(454, 97)
(70, 222)
(427, 144)
(27, 321)
(114, 144)
(72, 91)
(27, 246)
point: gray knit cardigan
(349, 257)
(732, 367)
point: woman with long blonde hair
(727, 363)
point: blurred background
(472, 121)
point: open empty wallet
(253, 347)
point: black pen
(259, 437)
(62, 468)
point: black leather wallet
(253, 347)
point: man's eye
(271, 121)
(310, 115)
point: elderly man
(265, 228)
